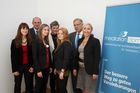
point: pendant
(47, 46)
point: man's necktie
(36, 32)
(76, 43)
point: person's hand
(31, 70)
(61, 75)
(55, 71)
(74, 72)
(16, 73)
(94, 76)
(51, 70)
(39, 74)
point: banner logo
(123, 34)
(124, 38)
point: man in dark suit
(36, 24)
(74, 37)
(33, 32)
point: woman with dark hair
(21, 58)
(42, 59)
(62, 59)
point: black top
(91, 55)
(40, 55)
(63, 56)
(54, 37)
(17, 56)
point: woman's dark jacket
(40, 55)
(63, 56)
(17, 56)
(91, 55)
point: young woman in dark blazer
(62, 60)
(42, 59)
(21, 58)
(88, 57)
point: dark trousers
(52, 82)
(61, 84)
(32, 82)
(27, 77)
(41, 83)
(74, 83)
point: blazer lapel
(33, 32)
(87, 43)
(74, 37)
(59, 48)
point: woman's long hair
(40, 34)
(65, 37)
(18, 38)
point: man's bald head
(36, 22)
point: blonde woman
(62, 60)
(88, 57)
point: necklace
(24, 42)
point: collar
(35, 29)
(81, 33)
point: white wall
(13, 12)
(121, 2)
(65, 11)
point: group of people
(42, 53)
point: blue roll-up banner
(120, 61)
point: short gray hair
(78, 19)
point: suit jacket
(72, 39)
(63, 56)
(91, 55)
(32, 32)
(17, 56)
(40, 55)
